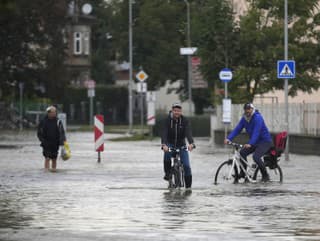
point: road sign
(142, 76)
(141, 87)
(151, 96)
(90, 84)
(198, 82)
(91, 93)
(188, 51)
(286, 69)
(225, 75)
(99, 132)
(226, 113)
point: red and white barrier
(99, 134)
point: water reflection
(11, 211)
(125, 198)
(176, 207)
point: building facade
(78, 32)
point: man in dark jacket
(260, 139)
(175, 130)
(51, 135)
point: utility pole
(21, 86)
(189, 59)
(130, 68)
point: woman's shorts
(50, 153)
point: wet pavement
(125, 198)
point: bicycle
(229, 171)
(176, 175)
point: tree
(102, 43)
(261, 44)
(158, 34)
(215, 34)
(32, 46)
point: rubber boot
(265, 175)
(167, 168)
(188, 181)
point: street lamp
(130, 68)
(21, 86)
(189, 58)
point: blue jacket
(256, 128)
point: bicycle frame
(177, 171)
(229, 170)
(237, 160)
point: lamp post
(189, 58)
(21, 86)
(130, 68)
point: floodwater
(125, 198)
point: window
(86, 43)
(77, 43)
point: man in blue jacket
(260, 139)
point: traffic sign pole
(225, 75)
(90, 84)
(286, 80)
(141, 113)
(99, 135)
(142, 76)
(286, 70)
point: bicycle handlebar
(235, 145)
(171, 149)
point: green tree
(102, 43)
(215, 34)
(31, 46)
(262, 44)
(158, 34)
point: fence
(303, 118)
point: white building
(167, 95)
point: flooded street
(125, 198)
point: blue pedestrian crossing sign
(286, 69)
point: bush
(109, 101)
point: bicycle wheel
(275, 174)
(178, 177)
(226, 174)
(182, 182)
(171, 181)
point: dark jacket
(51, 132)
(175, 132)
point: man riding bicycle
(175, 130)
(260, 139)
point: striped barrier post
(99, 134)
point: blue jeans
(184, 156)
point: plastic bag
(65, 151)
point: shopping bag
(65, 151)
